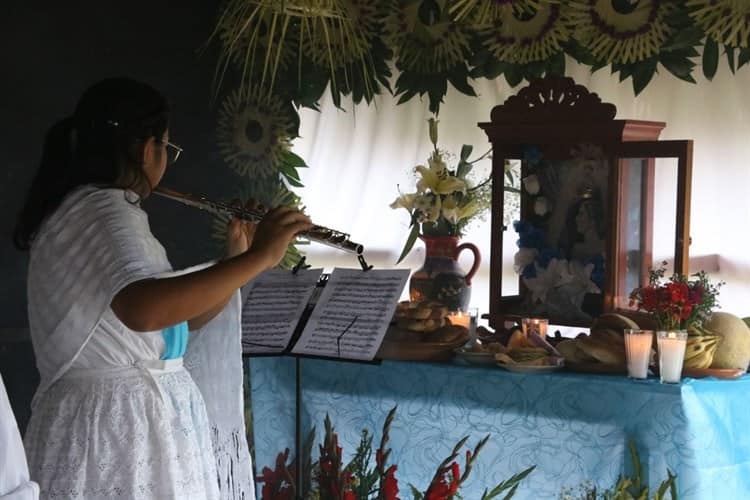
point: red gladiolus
(390, 486)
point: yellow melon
(734, 348)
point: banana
(700, 350)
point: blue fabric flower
(528, 235)
(597, 274)
(529, 271)
(532, 155)
(546, 255)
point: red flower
(446, 486)
(390, 487)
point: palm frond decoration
(261, 35)
(622, 31)
(271, 192)
(481, 12)
(521, 37)
(253, 132)
(360, 66)
(430, 49)
(726, 21)
(424, 37)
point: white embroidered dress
(109, 418)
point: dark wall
(50, 51)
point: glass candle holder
(535, 325)
(638, 352)
(466, 319)
(671, 346)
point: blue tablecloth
(573, 427)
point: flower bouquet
(679, 303)
(446, 199)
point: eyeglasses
(173, 152)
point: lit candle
(671, 354)
(460, 318)
(638, 351)
(534, 325)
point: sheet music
(272, 306)
(352, 314)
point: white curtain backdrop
(360, 155)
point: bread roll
(602, 350)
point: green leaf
(415, 492)
(643, 73)
(710, 58)
(556, 64)
(461, 84)
(409, 242)
(466, 150)
(744, 57)
(681, 67)
(684, 38)
(290, 158)
(511, 484)
(463, 169)
(513, 75)
(730, 57)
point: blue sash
(176, 339)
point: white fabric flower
(524, 257)
(531, 184)
(556, 274)
(541, 206)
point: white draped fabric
(14, 472)
(111, 419)
(358, 157)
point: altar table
(573, 427)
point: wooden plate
(725, 373)
(413, 346)
(595, 368)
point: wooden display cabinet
(558, 122)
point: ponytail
(93, 147)
(50, 184)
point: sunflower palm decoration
(271, 41)
(523, 42)
(430, 48)
(635, 36)
(725, 22)
(254, 131)
(483, 12)
(270, 193)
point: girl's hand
(276, 231)
(240, 233)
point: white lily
(429, 207)
(404, 201)
(450, 209)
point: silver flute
(319, 234)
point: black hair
(93, 147)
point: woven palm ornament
(726, 21)
(521, 37)
(425, 40)
(622, 31)
(481, 12)
(253, 132)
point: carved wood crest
(553, 99)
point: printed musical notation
(352, 314)
(273, 305)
